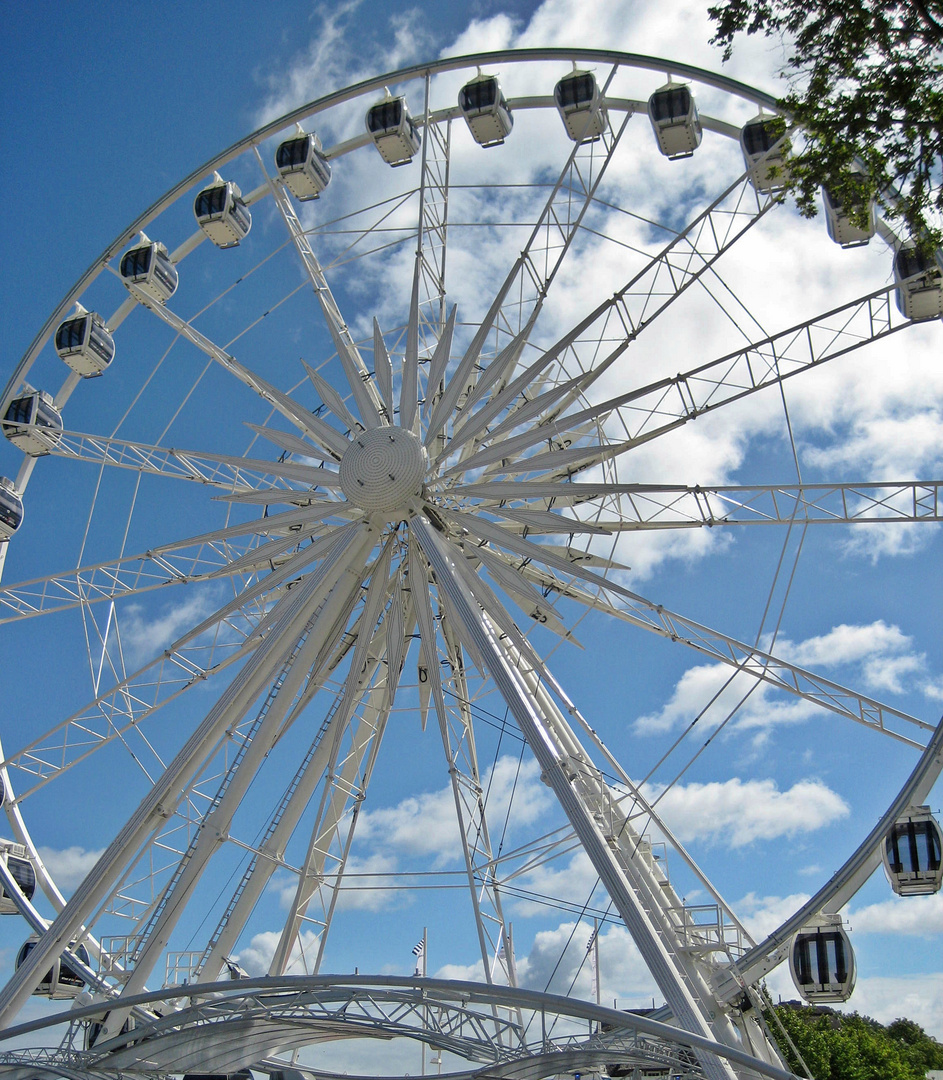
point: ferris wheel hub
(383, 468)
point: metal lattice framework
(430, 473)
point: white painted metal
(506, 428)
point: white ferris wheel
(401, 565)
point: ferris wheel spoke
(228, 472)
(321, 756)
(358, 718)
(355, 370)
(547, 247)
(209, 557)
(383, 366)
(685, 259)
(269, 393)
(282, 663)
(641, 895)
(186, 663)
(426, 317)
(409, 390)
(630, 607)
(650, 506)
(458, 742)
(647, 412)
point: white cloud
(888, 998)
(881, 654)
(706, 691)
(426, 824)
(761, 915)
(68, 866)
(557, 960)
(738, 812)
(143, 635)
(257, 955)
(844, 644)
(915, 916)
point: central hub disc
(382, 469)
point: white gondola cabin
(303, 167)
(149, 267)
(579, 105)
(221, 213)
(33, 423)
(912, 853)
(11, 509)
(922, 296)
(85, 343)
(840, 227)
(21, 869)
(673, 113)
(61, 982)
(763, 154)
(393, 130)
(486, 111)
(822, 961)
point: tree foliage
(839, 1047)
(865, 85)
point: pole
(425, 945)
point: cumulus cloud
(915, 916)
(761, 915)
(68, 866)
(557, 961)
(707, 692)
(881, 656)
(738, 812)
(888, 998)
(257, 955)
(143, 634)
(426, 824)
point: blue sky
(105, 107)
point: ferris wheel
(372, 419)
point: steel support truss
(223, 1027)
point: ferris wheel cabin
(221, 213)
(393, 130)
(840, 227)
(303, 168)
(33, 423)
(673, 113)
(85, 343)
(61, 982)
(16, 859)
(912, 851)
(11, 509)
(149, 267)
(822, 961)
(921, 297)
(579, 104)
(486, 110)
(763, 155)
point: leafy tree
(865, 84)
(924, 1052)
(841, 1047)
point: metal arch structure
(416, 509)
(231, 1024)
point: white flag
(419, 948)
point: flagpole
(424, 969)
(596, 955)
